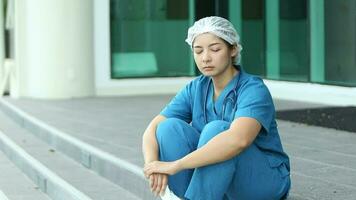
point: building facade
(304, 49)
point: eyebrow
(212, 44)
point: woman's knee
(176, 138)
(212, 129)
(168, 128)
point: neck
(222, 80)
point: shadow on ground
(340, 118)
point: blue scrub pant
(248, 176)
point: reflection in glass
(147, 38)
(340, 42)
(253, 37)
(294, 40)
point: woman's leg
(247, 176)
(256, 179)
(211, 182)
(176, 138)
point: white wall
(54, 48)
(313, 93)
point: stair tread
(71, 171)
(15, 185)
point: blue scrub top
(253, 100)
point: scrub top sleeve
(180, 105)
(255, 101)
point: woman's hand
(157, 172)
(158, 183)
(169, 168)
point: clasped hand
(157, 173)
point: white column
(54, 48)
(2, 44)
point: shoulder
(249, 80)
(252, 85)
(197, 83)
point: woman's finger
(149, 169)
(146, 167)
(164, 184)
(155, 182)
(159, 184)
(148, 173)
(152, 180)
(145, 174)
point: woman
(217, 138)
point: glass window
(340, 42)
(206, 8)
(147, 38)
(294, 40)
(253, 37)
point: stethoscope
(232, 98)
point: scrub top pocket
(274, 162)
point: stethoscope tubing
(234, 90)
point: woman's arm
(157, 181)
(149, 142)
(225, 145)
(222, 147)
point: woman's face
(212, 55)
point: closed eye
(198, 51)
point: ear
(234, 51)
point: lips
(208, 68)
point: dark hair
(231, 46)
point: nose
(206, 57)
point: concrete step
(118, 171)
(55, 174)
(15, 185)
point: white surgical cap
(217, 26)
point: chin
(210, 74)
